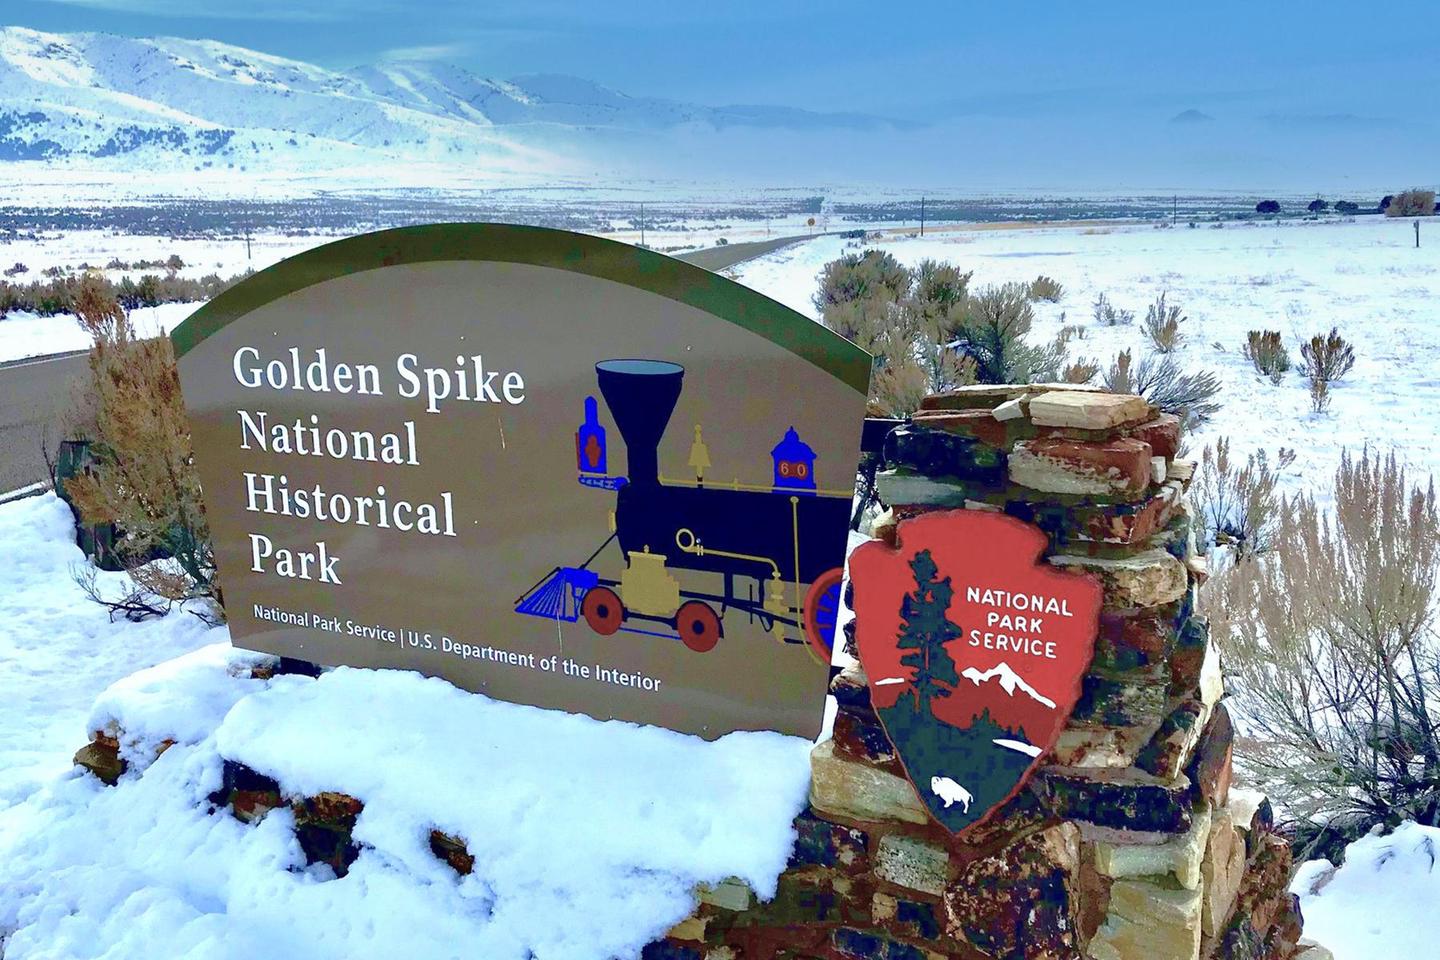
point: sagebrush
(144, 480)
(1162, 325)
(1159, 379)
(58, 295)
(1329, 643)
(1238, 505)
(1046, 288)
(927, 329)
(1265, 349)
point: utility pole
(247, 245)
(1417, 234)
(922, 216)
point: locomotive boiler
(694, 551)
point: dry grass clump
(1083, 370)
(1162, 325)
(1328, 357)
(1046, 288)
(1265, 349)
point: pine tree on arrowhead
(925, 630)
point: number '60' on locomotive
(694, 552)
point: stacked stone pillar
(1130, 843)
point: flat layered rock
(1087, 410)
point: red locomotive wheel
(821, 610)
(698, 625)
(602, 610)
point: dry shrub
(860, 296)
(145, 481)
(1162, 325)
(1159, 379)
(1329, 644)
(1327, 357)
(1412, 203)
(1080, 371)
(1238, 506)
(1046, 288)
(1319, 395)
(1267, 354)
(1108, 314)
(927, 331)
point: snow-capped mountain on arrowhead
(201, 103)
(1009, 681)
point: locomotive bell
(641, 395)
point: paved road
(33, 392)
(32, 395)
(718, 258)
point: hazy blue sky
(1309, 59)
(1325, 75)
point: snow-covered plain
(1364, 276)
(145, 869)
(589, 837)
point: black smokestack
(641, 395)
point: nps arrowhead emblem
(974, 652)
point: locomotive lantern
(794, 463)
(590, 442)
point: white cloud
(427, 52)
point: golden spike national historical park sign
(551, 468)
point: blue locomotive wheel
(822, 611)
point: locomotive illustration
(695, 551)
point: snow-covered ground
(1299, 277)
(589, 837)
(57, 649)
(1380, 903)
(27, 335)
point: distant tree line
(1409, 203)
(58, 295)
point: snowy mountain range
(1009, 681)
(193, 104)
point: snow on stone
(58, 650)
(181, 700)
(1381, 901)
(589, 837)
